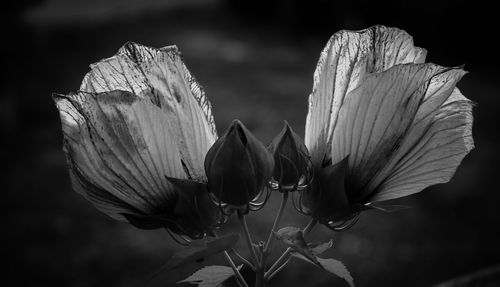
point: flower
(382, 119)
(238, 166)
(291, 160)
(135, 137)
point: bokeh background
(255, 60)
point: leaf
(210, 276)
(386, 207)
(199, 250)
(318, 248)
(331, 265)
(338, 268)
(294, 237)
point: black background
(256, 63)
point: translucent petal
(344, 61)
(439, 148)
(160, 76)
(120, 150)
(376, 117)
(440, 89)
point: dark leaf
(338, 268)
(210, 276)
(197, 251)
(386, 207)
(294, 237)
(319, 248)
(331, 265)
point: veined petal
(170, 85)
(343, 63)
(440, 89)
(161, 76)
(120, 72)
(375, 118)
(438, 149)
(120, 150)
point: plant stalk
(248, 238)
(270, 240)
(239, 278)
(260, 280)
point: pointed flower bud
(291, 160)
(238, 167)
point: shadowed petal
(343, 63)
(120, 150)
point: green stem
(278, 265)
(243, 259)
(269, 241)
(270, 276)
(248, 238)
(309, 226)
(260, 280)
(239, 278)
(241, 281)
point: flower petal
(121, 71)
(161, 76)
(376, 117)
(437, 150)
(344, 61)
(120, 150)
(440, 89)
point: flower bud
(291, 159)
(238, 167)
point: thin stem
(270, 276)
(243, 259)
(248, 238)
(276, 222)
(260, 280)
(241, 281)
(278, 265)
(309, 226)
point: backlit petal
(120, 150)
(344, 61)
(440, 89)
(440, 147)
(160, 76)
(375, 118)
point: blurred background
(255, 60)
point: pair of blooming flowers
(142, 146)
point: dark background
(256, 63)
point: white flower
(400, 124)
(136, 135)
